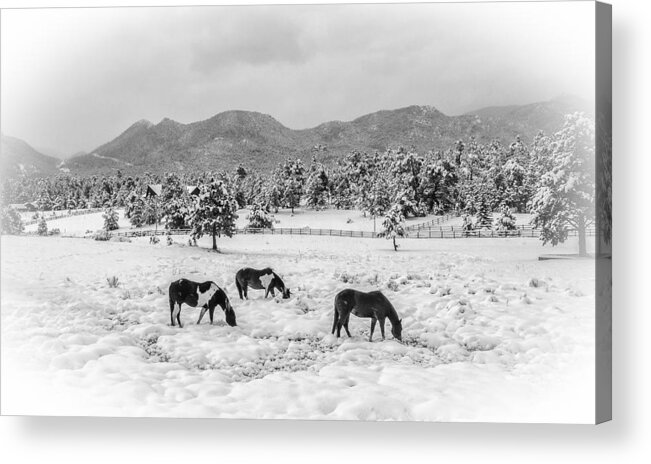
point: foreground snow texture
(491, 334)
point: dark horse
(264, 279)
(207, 295)
(372, 304)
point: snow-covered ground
(521, 219)
(482, 340)
(325, 219)
(78, 225)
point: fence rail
(440, 232)
(433, 222)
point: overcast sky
(73, 79)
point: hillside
(260, 142)
(18, 157)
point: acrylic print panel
(300, 212)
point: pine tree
(292, 194)
(258, 218)
(437, 181)
(10, 221)
(484, 215)
(467, 224)
(42, 226)
(174, 203)
(292, 179)
(506, 220)
(273, 197)
(176, 212)
(111, 218)
(150, 211)
(214, 212)
(317, 186)
(566, 195)
(405, 169)
(136, 211)
(393, 225)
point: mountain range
(260, 142)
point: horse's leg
(334, 324)
(273, 293)
(346, 325)
(177, 315)
(239, 288)
(172, 304)
(382, 326)
(203, 311)
(373, 321)
(211, 312)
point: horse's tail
(239, 287)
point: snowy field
(490, 333)
(325, 219)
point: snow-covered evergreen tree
(484, 215)
(342, 197)
(150, 211)
(176, 212)
(174, 202)
(273, 197)
(136, 211)
(111, 218)
(316, 187)
(291, 180)
(10, 221)
(214, 212)
(42, 226)
(292, 194)
(258, 218)
(566, 196)
(506, 220)
(437, 181)
(393, 225)
(406, 169)
(467, 223)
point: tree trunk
(395, 247)
(581, 232)
(214, 237)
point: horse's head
(396, 330)
(228, 311)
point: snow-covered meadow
(490, 333)
(300, 218)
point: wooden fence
(439, 232)
(431, 223)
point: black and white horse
(206, 295)
(264, 279)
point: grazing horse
(207, 295)
(264, 279)
(372, 304)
